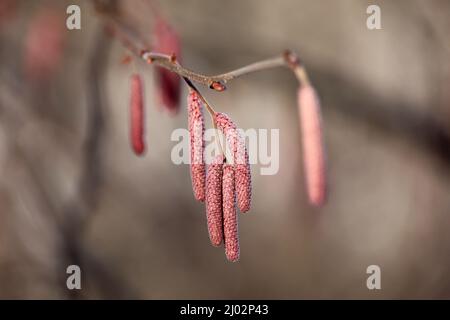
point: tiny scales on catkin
(240, 159)
(197, 144)
(230, 223)
(213, 200)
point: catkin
(169, 85)
(313, 152)
(44, 44)
(137, 115)
(241, 160)
(230, 223)
(213, 200)
(197, 144)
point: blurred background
(73, 192)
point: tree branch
(132, 42)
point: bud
(197, 144)
(218, 86)
(213, 200)
(137, 115)
(240, 158)
(313, 152)
(169, 84)
(230, 223)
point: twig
(216, 82)
(79, 212)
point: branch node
(146, 56)
(292, 60)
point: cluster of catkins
(225, 183)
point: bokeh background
(72, 191)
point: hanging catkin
(230, 223)
(137, 115)
(240, 158)
(313, 153)
(197, 144)
(213, 200)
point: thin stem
(211, 111)
(301, 75)
(278, 61)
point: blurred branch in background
(69, 226)
(80, 210)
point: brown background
(72, 192)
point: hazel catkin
(197, 144)
(230, 222)
(169, 84)
(137, 115)
(240, 158)
(313, 151)
(213, 200)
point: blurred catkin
(137, 114)
(313, 152)
(169, 84)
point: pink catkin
(137, 115)
(169, 85)
(197, 144)
(313, 153)
(241, 160)
(44, 44)
(230, 223)
(213, 200)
